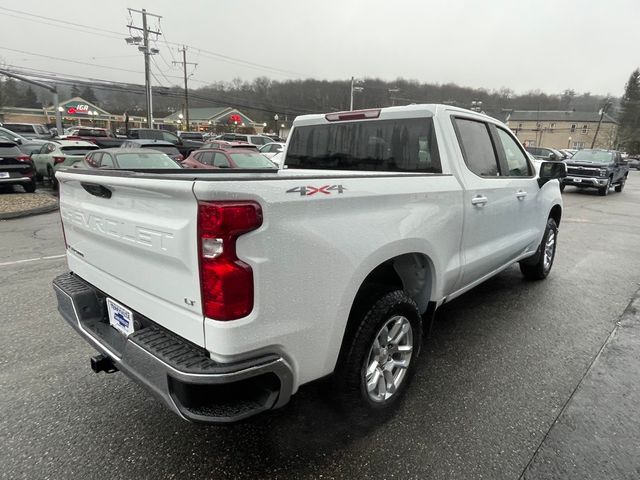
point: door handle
(479, 200)
(521, 194)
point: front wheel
(604, 191)
(539, 266)
(380, 358)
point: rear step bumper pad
(177, 372)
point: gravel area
(19, 202)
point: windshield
(145, 160)
(593, 156)
(251, 160)
(78, 150)
(407, 145)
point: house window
(578, 145)
(585, 128)
(552, 126)
(573, 127)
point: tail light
(179, 158)
(24, 158)
(57, 160)
(226, 282)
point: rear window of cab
(403, 145)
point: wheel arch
(556, 213)
(413, 272)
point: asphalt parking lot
(505, 383)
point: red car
(233, 158)
(224, 145)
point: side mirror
(553, 157)
(551, 171)
(18, 141)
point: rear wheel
(539, 266)
(380, 358)
(620, 186)
(51, 174)
(30, 187)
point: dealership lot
(503, 362)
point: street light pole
(602, 112)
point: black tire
(350, 379)
(51, 174)
(536, 267)
(620, 186)
(30, 187)
(604, 191)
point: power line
(204, 52)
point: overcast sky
(550, 45)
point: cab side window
(517, 164)
(477, 147)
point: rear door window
(9, 150)
(206, 158)
(220, 160)
(106, 161)
(404, 145)
(477, 147)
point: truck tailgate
(136, 240)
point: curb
(29, 213)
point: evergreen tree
(88, 94)
(11, 94)
(29, 98)
(630, 114)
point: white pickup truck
(224, 291)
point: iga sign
(81, 108)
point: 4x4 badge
(308, 190)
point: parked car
(184, 146)
(130, 158)
(29, 130)
(271, 149)
(26, 145)
(253, 139)
(224, 145)
(547, 154)
(233, 158)
(58, 153)
(197, 136)
(16, 168)
(157, 145)
(601, 169)
(274, 137)
(100, 136)
(634, 163)
(223, 292)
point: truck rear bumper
(179, 373)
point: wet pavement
(520, 379)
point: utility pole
(606, 105)
(52, 88)
(186, 89)
(144, 48)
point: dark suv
(184, 146)
(601, 169)
(16, 168)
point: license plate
(120, 318)
(4, 174)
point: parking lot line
(50, 257)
